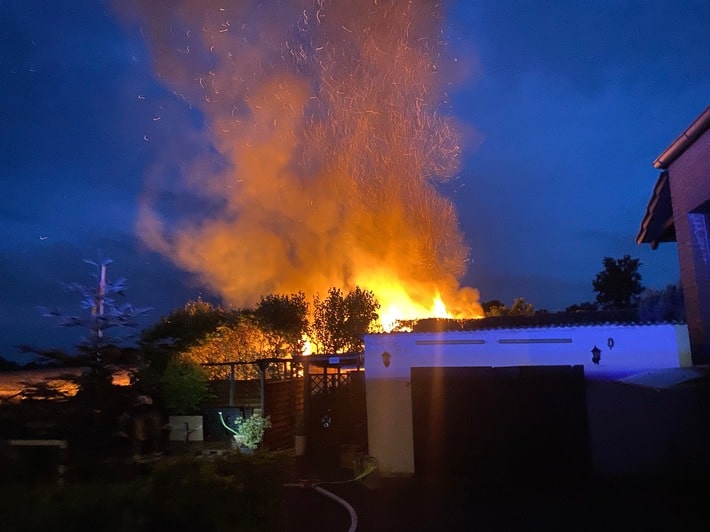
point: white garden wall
(625, 349)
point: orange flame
(404, 302)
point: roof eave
(658, 219)
(679, 145)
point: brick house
(679, 211)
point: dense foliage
(339, 322)
(242, 341)
(214, 337)
(183, 386)
(188, 325)
(520, 307)
(231, 493)
(618, 286)
(284, 321)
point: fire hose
(369, 467)
(314, 485)
(342, 502)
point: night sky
(562, 106)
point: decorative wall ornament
(596, 354)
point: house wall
(633, 348)
(689, 178)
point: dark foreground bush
(231, 493)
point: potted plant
(248, 433)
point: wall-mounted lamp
(386, 357)
(596, 354)
(610, 342)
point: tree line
(281, 324)
(177, 348)
(618, 287)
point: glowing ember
(328, 121)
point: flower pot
(238, 443)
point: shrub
(231, 493)
(250, 431)
(183, 386)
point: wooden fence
(283, 401)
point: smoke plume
(329, 118)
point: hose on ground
(345, 504)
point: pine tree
(98, 350)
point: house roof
(699, 126)
(657, 224)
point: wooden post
(231, 385)
(262, 398)
(262, 364)
(306, 394)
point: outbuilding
(501, 403)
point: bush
(88, 506)
(232, 492)
(227, 493)
(183, 386)
(250, 431)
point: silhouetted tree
(183, 386)
(206, 334)
(178, 331)
(618, 285)
(187, 325)
(340, 322)
(240, 341)
(97, 404)
(284, 321)
(494, 307)
(98, 351)
(521, 307)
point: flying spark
(331, 119)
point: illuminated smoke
(329, 116)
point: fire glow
(328, 136)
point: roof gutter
(690, 135)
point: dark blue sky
(565, 105)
